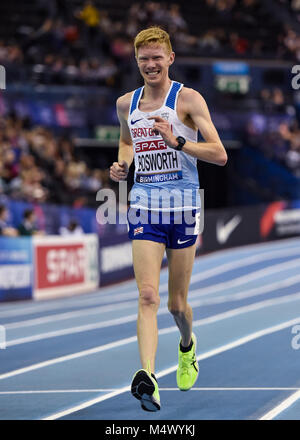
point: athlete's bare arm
(119, 170)
(193, 111)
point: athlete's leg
(147, 259)
(180, 269)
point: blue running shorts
(177, 229)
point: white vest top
(164, 179)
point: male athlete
(159, 126)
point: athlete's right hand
(118, 171)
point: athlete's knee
(177, 307)
(149, 296)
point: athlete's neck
(156, 91)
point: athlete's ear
(172, 58)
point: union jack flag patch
(138, 230)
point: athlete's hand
(118, 171)
(163, 127)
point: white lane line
(105, 390)
(101, 296)
(255, 291)
(235, 389)
(98, 297)
(246, 309)
(97, 390)
(276, 254)
(70, 315)
(131, 318)
(281, 407)
(68, 357)
(55, 304)
(120, 342)
(167, 371)
(239, 281)
(72, 330)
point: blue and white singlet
(164, 179)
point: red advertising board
(60, 265)
(65, 265)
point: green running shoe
(144, 388)
(187, 371)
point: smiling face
(154, 60)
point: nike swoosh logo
(181, 242)
(225, 230)
(137, 120)
(195, 365)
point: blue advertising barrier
(16, 268)
(115, 257)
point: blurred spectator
(292, 42)
(63, 48)
(5, 229)
(295, 5)
(90, 15)
(73, 228)
(28, 225)
(175, 18)
(224, 9)
(273, 100)
(291, 135)
(37, 166)
(209, 41)
(278, 100)
(238, 44)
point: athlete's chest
(147, 106)
(150, 108)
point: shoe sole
(142, 388)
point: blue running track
(73, 358)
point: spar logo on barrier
(60, 265)
(65, 265)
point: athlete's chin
(153, 80)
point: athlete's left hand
(163, 127)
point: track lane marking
(193, 293)
(208, 354)
(102, 390)
(285, 404)
(167, 330)
(163, 311)
(255, 291)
